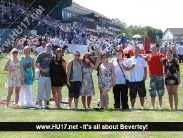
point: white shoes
(160, 108)
(142, 108)
(40, 107)
(132, 108)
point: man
(90, 46)
(156, 75)
(97, 49)
(41, 49)
(44, 81)
(174, 50)
(180, 53)
(164, 48)
(138, 73)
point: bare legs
(56, 92)
(104, 101)
(75, 103)
(172, 92)
(10, 91)
(153, 101)
(83, 99)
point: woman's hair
(169, 51)
(26, 47)
(92, 52)
(14, 49)
(103, 54)
(84, 57)
(118, 48)
(77, 52)
(55, 55)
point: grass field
(25, 115)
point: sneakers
(40, 107)
(132, 108)
(160, 108)
(142, 107)
(152, 108)
(46, 107)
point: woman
(87, 87)
(74, 79)
(58, 76)
(172, 78)
(96, 61)
(14, 77)
(120, 90)
(106, 78)
(27, 65)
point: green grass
(25, 115)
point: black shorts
(137, 87)
(74, 89)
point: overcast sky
(160, 14)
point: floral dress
(87, 88)
(105, 80)
(14, 78)
(171, 68)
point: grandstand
(55, 17)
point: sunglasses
(77, 55)
(15, 52)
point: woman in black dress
(172, 78)
(58, 76)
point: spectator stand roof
(76, 8)
(36, 3)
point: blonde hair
(26, 47)
(14, 49)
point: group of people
(55, 73)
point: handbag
(127, 80)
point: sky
(159, 14)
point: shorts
(156, 84)
(74, 89)
(137, 87)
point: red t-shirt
(154, 64)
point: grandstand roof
(78, 9)
(89, 11)
(42, 2)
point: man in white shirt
(180, 53)
(138, 74)
(56, 42)
(40, 49)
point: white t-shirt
(118, 72)
(57, 42)
(40, 49)
(137, 73)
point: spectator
(138, 74)
(156, 75)
(172, 78)
(180, 53)
(28, 70)
(14, 78)
(44, 81)
(120, 90)
(58, 76)
(74, 79)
